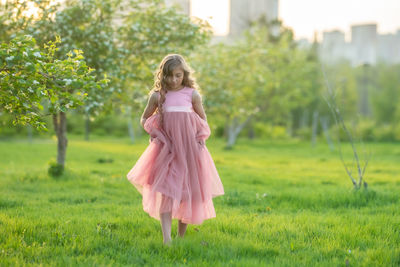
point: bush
(219, 131)
(110, 125)
(365, 130)
(264, 130)
(368, 130)
(304, 133)
(75, 123)
(384, 133)
(396, 132)
(55, 169)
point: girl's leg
(166, 218)
(181, 228)
(166, 226)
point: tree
(30, 76)
(148, 32)
(385, 95)
(89, 26)
(124, 39)
(357, 180)
(16, 19)
(259, 76)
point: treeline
(259, 86)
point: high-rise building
(243, 12)
(364, 44)
(333, 46)
(388, 48)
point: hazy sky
(216, 12)
(307, 16)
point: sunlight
(215, 12)
(31, 9)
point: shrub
(384, 133)
(55, 169)
(264, 130)
(365, 130)
(304, 133)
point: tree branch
(55, 123)
(52, 79)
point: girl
(176, 174)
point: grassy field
(285, 204)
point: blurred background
(263, 66)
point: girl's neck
(180, 88)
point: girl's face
(175, 80)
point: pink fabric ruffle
(176, 171)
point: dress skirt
(176, 172)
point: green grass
(285, 204)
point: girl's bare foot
(181, 229)
(167, 243)
(166, 227)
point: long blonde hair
(165, 69)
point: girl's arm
(150, 108)
(198, 105)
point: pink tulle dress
(176, 172)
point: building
(388, 48)
(333, 46)
(364, 41)
(366, 46)
(243, 12)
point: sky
(307, 16)
(216, 12)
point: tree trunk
(234, 128)
(314, 128)
(289, 125)
(226, 128)
(363, 92)
(304, 119)
(87, 127)
(231, 137)
(140, 130)
(324, 123)
(60, 126)
(30, 134)
(251, 133)
(131, 131)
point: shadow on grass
(334, 200)
(8, 204)
(306, 200)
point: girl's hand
(150, 108)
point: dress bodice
(180, 100)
